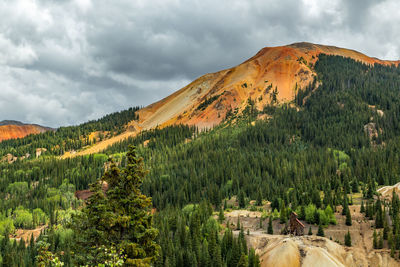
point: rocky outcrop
(371, 131)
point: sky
(64, 62)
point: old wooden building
(295, 226)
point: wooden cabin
(295, 226)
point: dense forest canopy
(340, 135)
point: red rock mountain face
(273, 73)
(19, 131)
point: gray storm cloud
(66, 62)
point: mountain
(318, 162)
(14, 129)
(273, 73)
(273, 76)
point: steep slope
(15, 129)
(274, 73)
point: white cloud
(64, 62)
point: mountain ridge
(11, 129)
(282, 68)
(272, 76)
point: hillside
(327, 155)
(312, 250)
(273, 76)
(278, 71)
(16, 129)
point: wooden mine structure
(295, 226)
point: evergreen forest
(168, 187)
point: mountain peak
(273, 74)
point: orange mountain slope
(19, 131)
(273, 73)
(282, 68)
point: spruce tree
(120, 217)
(348, 217)
(238, 224)
(270, 228)
(283, 216)
(242, 261)
(320, 230)
(347, 239)
(392, 250)
(375, 240)
(302, 215)
(380, 242)
(221, 216)
(379, 215)
(241, 200)
(316, 217)
(310, 231)
(253, 260)
(385, 230)
(345, 205)
(259, 198)
(362, 209)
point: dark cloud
(65, 62)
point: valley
(303, 128)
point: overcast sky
(63, 62)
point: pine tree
(205, 256)
(347, 239)
(316, 217)
(375, 240)
(385, 230)
(238, 224)
(392, 251)
(221, 216)
(217, 258)
(270, 230)
(121, 217)
(345, 205)
(362, 209)
(283, 216)
(380, 242)
(379, 215)
(253, 260)
(348, 217)
(241, 200)
(259, 198)
(368, 210)
(320, 230)
(242, 261)
(309, 231)
(302, 215)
